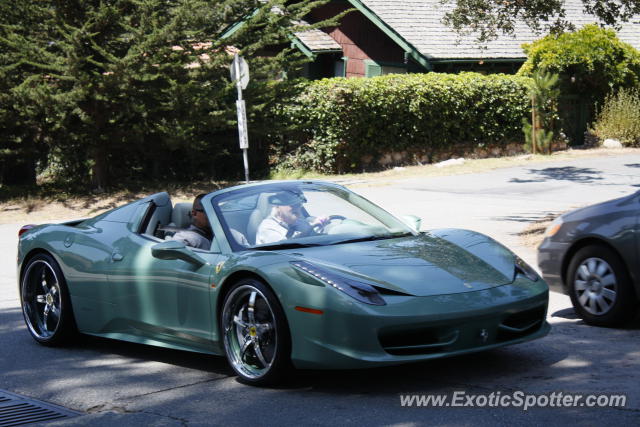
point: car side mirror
(412, 221)
(174, 249)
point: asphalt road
(125, 384)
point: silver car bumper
(550, 258)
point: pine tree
(18, 145)
(107, 87)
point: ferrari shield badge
(219, 266)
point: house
(390, 36)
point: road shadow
(519, 218)
(92, 366)
(570, 314)
(13, 329)
(438, 372)
(565, 313)
(567, 173)
(573, 358)
(530, 217)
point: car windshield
(301, 214)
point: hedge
(338, 125)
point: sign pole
(245, 155)
(240, 74)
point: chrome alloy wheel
(41, 300)
(249, 328)
(595, 286)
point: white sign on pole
(240, 75)
(240, 71)
(242, 124)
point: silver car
(593, 255)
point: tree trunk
(99, 173)
(533, 124)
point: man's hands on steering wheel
(319, 223)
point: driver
(199, 233)
(287, 220)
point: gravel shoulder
(32, 209)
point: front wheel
(255, 333)
(46, 305)
(599, 286)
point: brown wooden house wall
(359, 38)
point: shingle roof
(419, 22)
(318, 41)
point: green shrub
(620, 118)
(340, 125)
(544, 96)
(590, 62)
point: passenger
(199, 234)
(286, 220)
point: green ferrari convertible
(295, 274)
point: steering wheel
(319, 228)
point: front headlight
(525, 269)
(554, 227)
(357, 290)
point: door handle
(117, 256)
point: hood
(602, 208)
(434, 263)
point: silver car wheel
(249, 328)
(41, 300)
(595, 286)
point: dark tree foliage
(19, 141)
(489, 18)
(111, 90)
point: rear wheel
(255, 333)
(599, 286)
(46, 305)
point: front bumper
(352, 335)
(550, 259)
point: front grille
(418, 341)
(521, 324)
(17, 410)
(461, 334)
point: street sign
(242, 124)
(240, 71)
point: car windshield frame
(394, 227)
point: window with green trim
(373, 69)
(390, 69)
(339, 68)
